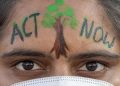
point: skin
(49, 65)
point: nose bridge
(61, 67)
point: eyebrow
(23, 52)
(91, 54)
(100, 53)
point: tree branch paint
(57, 16)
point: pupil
(28, 65)
(91, 66)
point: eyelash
(14, 63)
(93, 74)
(103, 62)
(29, 74)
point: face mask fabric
(63, 81)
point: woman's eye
(92, 66)
(27, 66)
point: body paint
(105, 41)
(56, 16)
(21, 32)
(100, 30)
(16, 32)
(88, 32)
(35, 22)
(85, 30)
(27, 34)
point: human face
(25, 53)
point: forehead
(89, 10)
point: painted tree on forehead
(57, 16)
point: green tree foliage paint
(57, 16)
(57, 10)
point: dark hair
(112, 8)
(5, 8)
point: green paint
(34, 16)
(52, 8)
(59, 2)
(90, 31)
(16, 32)
(27, 34)
(57, 16)
(73, 22)
(57, 10)
(69, 12)
(107, 42)
(48, 20)
(85, 30)
(22, 31)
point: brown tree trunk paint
(60, 47)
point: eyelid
(100, 59)
(43, 68)
(20, 67)
(16, 60)
(92, 74)
(84, 62)
(84, 65)
(30, 74)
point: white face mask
(63, 81)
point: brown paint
(60, 47)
